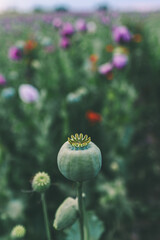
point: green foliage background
(125, 195)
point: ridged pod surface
(79, 163)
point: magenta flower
(120, 61)
(105, 20)
(2, 80)
(105, 68)
(81, 25)
(57, 22)
(121, 34)
(115, 14)
(67, 30)
(28, 93)
(64, 42)
(15, 53)
(49, 48)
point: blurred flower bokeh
(94, 72)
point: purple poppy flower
(115, 14)
(105, 20)
(121, 34)
(2, 80)
(67, 30)
(105, 68)
(28, 93)
(57, 22)
(15, 53)
(49, 48)
(120, 61)
(64, 42)
(81, 25)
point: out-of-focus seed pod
(18, 232)
(41, 182)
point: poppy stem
(81, 209)
(45, 216)
(84, 231)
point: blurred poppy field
(97, 74)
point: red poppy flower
(93, 117)
(137, 38)
(109, 48)
(93, 58)
(109, 76)
(30, 45)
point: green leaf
(96, 228)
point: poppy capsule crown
(79, 140)
(79, 159)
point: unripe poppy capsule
(79, 159)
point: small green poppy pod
(66, 214)
(79, 159)
(18, 232)
(41, 182)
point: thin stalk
(45, 216)
(81, 209)
(86, 227)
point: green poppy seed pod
(79, 159)
(66, 214)
(41, 182)
(18, 232)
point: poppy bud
(41, 182)
(66, 214)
